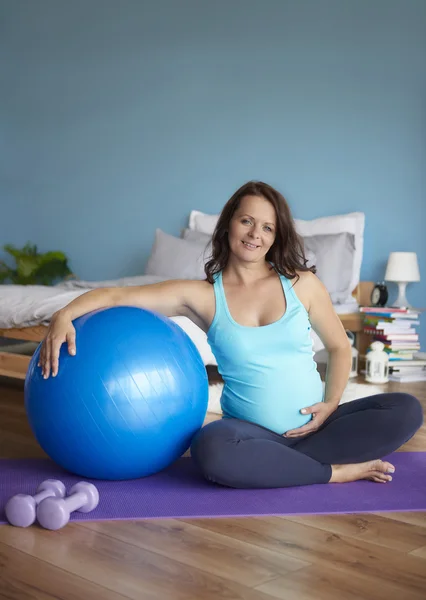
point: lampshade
(402, 266)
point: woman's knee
(208, 447)
(411, 411)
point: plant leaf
(51, 271)
(27, 265)
(34, 268)
(27, 250)
(52, 256)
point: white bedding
(28, 306)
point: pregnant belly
(275, 409)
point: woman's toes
(382, 477)
(381, 466)
(388, 467)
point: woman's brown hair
(287, 253)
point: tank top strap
(290, 294)
(219, 294)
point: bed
(334, 244)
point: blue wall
(119, 116)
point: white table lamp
(402, 268)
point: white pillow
(197, 236)
(202, 222)
(176, 258)
(334, 258)
(352, 223)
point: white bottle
(377, 364)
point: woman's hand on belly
(320, 413)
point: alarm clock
(379, 295)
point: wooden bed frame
(15, 365)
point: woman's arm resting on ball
(170, 298)
(167, 297)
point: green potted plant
(34, 268)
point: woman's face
(252, 229)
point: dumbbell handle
(75, 501)
(42, 495)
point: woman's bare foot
(374, 470)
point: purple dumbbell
(21, 509)
(54, 513)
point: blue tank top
(269, 372)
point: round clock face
(375, 296)
(379, 295)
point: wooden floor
(375, 556)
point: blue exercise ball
(127, 404)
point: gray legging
(241, 454)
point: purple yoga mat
(180, 491)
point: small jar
(377, 364)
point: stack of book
(412, 370)
(396, 328)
